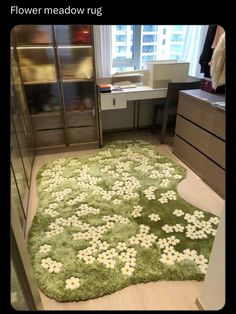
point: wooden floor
(162, 295)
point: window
(178, 28)
(148, 58)
(149, 38)
(175, 48)
(120, 38)
(149, 28)
(176, 37)
(132, 45)
(121, 49)
(150, 48)
(121, 27)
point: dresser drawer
(210, 172)
(203, 114)
(208, 144)
(113, 101)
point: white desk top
(138, 93)
(141, 88)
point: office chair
(169, 106)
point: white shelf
(73, 46)
(33, 47)
(39, 82)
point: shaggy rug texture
(115, 219)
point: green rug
(115, 219)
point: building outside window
(132, 45)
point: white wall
(212, 296)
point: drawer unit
(201, 113)
(113, 101)
(212, 174)
(207, 144)
(200, 136)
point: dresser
(199, 139)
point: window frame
(135, 60)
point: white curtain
(193, 45)
(103, 49)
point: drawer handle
(114, 101)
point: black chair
(169, 106)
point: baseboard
(199, 304)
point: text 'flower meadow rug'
(115, 219)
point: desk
(118, 100)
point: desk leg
(138, 105)
(164, 126)
(134, 114)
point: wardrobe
(57, 69)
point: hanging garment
(217, 68)
(219, 32)
(207, 51)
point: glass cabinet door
(18, 300)
(16, 201)
(20, 113)
(76, 63)
(19, 169)
(23, 135)
(37, 61)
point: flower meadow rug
(115, 219)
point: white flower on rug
(121, 246)
(55, 267)
(178, 228)
(149, 193)
(116, 201)
(163, 243)
(136, 211)
(178, 212)
(214, 220)
(127, 270)
(168, 259)
(198, 214)
(173, 240)
(203, 268)
(154, 217)
(167, 228)
(45, 248)
(51, 265)
(177, 176)
(190, 254)
(109, 263)
(200, 259)
(51, 212)
(88, 259)
(164, 183)
(169, 250)
(72, 283)
(169, 195)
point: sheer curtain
(103, 49)
(192, 47)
